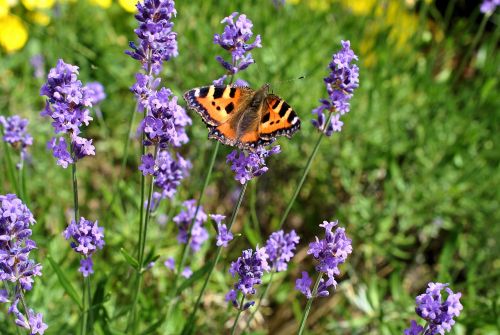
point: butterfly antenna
(288, 81)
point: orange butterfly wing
(278, 119)
(215, 104)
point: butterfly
(243, 117)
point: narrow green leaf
(66, 284)
(129, 259)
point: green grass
(413, 176)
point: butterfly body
(241, 116)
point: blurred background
(413, 176)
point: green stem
(75, 190)
(142, 243)
(10, 167)
(185, 248)
(21, 177)
(240, 309)
(189, 325)
(473, 45)
(261, 298)
(85, 308)
(23, 302)
(304, 175)
(89, 302)
(309, 304)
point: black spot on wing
(218, 92)
(203, 92)
(229, 107)
(291, 116)
(266, 117)
(283, 109)
(276, 103)
(232, 93)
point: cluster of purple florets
(68, 103)
(235, 39)
(438, 313)
(224, 235)
(15, 132)
(280, 247)
(16, 267)
(95, 92)
(329, 252)
(489, 6)
(164, 121)
(86, 238)
(341, 82)
(249, 268)
(184, 219)
(157, 41)
(250, 165)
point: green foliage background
(414, 175)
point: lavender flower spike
(87, 237)
(330, 252)
(341, 82)
(68, 103)
(157, 41)
(249, 268)
(224, 236)
(16, 133)
(280, 249)
(15, 263)
(235, 39)
(198, 234)
(250, 165)
(437, 313)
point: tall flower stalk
(329, 252)
(14, 133)
(162, 126)
(68, 103)
(17, 270)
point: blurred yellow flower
(40, 18)
(101, 3)
(128, 5)
(13, 33)
(4, 7)
(38, 4)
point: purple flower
(330, 252)
(224, 236)
(170, 263)
(157, 41)
(186, 273)
(183, 220)
(86, 266)
(36, 323)
(87, 237)
(169, 173)
(148, 164)
(16, 132)
(15, 245)
(38, 63)
(95, 92)
(143, 89)
(489, 6)
(235, 39)
(280, 249)
(67, 104)
(15, 264)
(439, 314)
(341, 82)
(249, 268)
(415, 329)
(303, 284)
(247, 166)
(60, 151)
